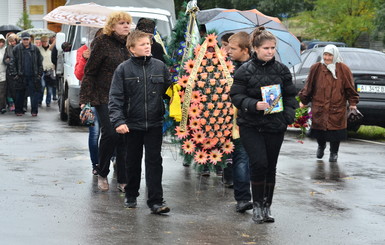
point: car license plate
(370, 88)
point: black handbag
(354, 116)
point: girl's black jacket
(246, 92)
(136, 94)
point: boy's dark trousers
(152, 142)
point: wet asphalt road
(48, 195)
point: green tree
(24, 21)
(343, 20)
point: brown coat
(107, 52)
(328, 96)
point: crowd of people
(124, 78)
(26, 70)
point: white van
(69, 85)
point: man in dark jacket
(136, 111)
(27, 69)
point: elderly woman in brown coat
(329, 87)
(107, 52)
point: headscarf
(332, 49)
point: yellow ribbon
(175, 105)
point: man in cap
(27, 69)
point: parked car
(320, 44)
(368, 68)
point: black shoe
(3, 111)
(320, 151)
(242, 206)
(257, 213)
(130, 202)
(159, 209)
(267, 217)
(54, 98)
(333, 157)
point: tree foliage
(24, 22)
(343, 20)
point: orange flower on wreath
(225, 96)
(222, 140)
(208, 128)
(207, 144)
(210, 106)
(209, 55)
(194, 111)
(220, 105)
(231, 110)
(219, 90)
(216, 113)
(224, 127)
(217, 75)
(208, 91)
(196, 97)
(189, 65)
(215, 97)
(216, 127)
(181, 134)
(202, 121)
(223, 52)
(212, 82)
(204, 98)
(227, 89)
(201, 157)
(224, 112)
(195, 124)
(200, 69)
(211, 134)
(201, 84)
(228, 119)
(228, 104)
(220, 68)
(212, 120)
(203, 75)
(201, 106)
(223, 81)
(210, 68)
(204, 62)
(219, 134)
(220, 120)
(228, 147)
(188, 146)
(211, 40)
(198, 136)
(215, 156)
(214, 141)
(206, 114)
(182, 81)
(226, 133)
(197, 49)
(230, 66)
(215, 61)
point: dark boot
(269, 192)
(258, 192)
(320, 151)
(333, 157)
(334, 147)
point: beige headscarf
(332, 49)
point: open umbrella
(4, 29)
(288, 46)
(87, 14)
(204, 16)
(38, 32)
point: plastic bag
(87, 116)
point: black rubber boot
(269, 192)
(320, 151)
(258, 192)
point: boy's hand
(122, 129)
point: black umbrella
(4, 29)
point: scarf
(332, 49)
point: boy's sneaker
(159, 209)
(130, 202)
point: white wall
(11, 11)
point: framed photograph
(272, 95)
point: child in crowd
(136, 111)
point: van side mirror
(60, 39)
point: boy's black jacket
(136, 95)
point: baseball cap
(25, 35)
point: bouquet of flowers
(302, 117)
(207, 137)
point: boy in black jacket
(136, 110)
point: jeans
(93, 139)
(33, 94)
(49, 90)
(263, 150)
(241, 173)
(152, 142)
(108, 140)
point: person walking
(107, 52)
(136, 110)
(3, 80)
(47, 81)
(239, 53)
(27, 70)
(328, 88)
(12, 40)
(262, 133)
